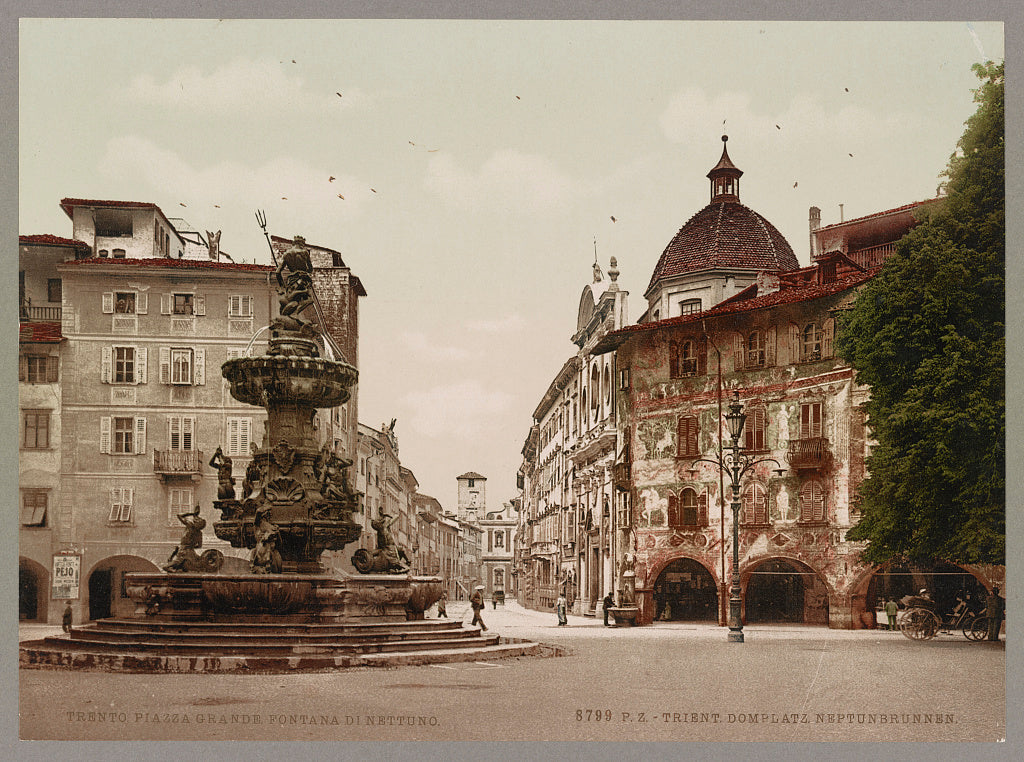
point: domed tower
(717, 253)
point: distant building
(498, 530)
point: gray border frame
(1012, 14)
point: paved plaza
(665, 682)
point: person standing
(608, 602)
(994, 608)
(891, 611)
(66, 620)
(477, 602)
(560, 608)
(441, 610)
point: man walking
(442, 611)
(891, 611)
(994, 608)
(66, 619)
(560, 608)
(477, 602)
(608, 604)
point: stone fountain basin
(314, 381)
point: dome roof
(724, 234)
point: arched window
(687, 358)
(755, 504)
(688, 510)
(607, 385)
(812, 502)
(689, 306)
(595, 390)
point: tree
(927, 335)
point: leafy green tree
(927, 334)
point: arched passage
(785, 590)
(33, 584)
(685, 591)
(108, 595)
(944, 581)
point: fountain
(295, 502)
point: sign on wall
(66, 576)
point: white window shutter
(141, 364)
(245, 435)
(769, 346)
(141, 303)
(165, 303)
(248, 311)
(188, 427)
(165, 365)
(174, 432)
(115, 504)
(739, 351)
(199, 366)
(108, 302)
(140, 436)
(199, 305)
(106, 364)
(105, 427)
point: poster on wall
(66, 574)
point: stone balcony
(177, 462)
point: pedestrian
(560, 608)
(66, 620)
(477, 602)
(494, 600)
(891, 611)
(441, 611)
(608, 604)
(994, 608)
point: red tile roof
(789, 294)
(724, 234)
(51, 240)
(39, 332)
(903, 208)
(169, 262)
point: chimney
(814, 223)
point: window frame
(30, 507)
(687, 437)
(815, 342)
(133, 296)
(752, 512)
(129, 370)
(38, 415)
(755, 430)
(126, 444)
(812, 502)
(122, 503)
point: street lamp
(736, 463)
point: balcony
(40, 314)
(809, 454)
(177, 462)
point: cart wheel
(919, 624)
(976, 629)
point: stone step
(230, 636)
(272, 626)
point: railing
(873, 256)
(177, 461)
(808, 453)
(42, 314)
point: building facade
(497, 534)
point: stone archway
(108, 596)
(33, 589)
(945, 582)
(784, 590)
(685, 591)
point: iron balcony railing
(808, 453)
(177, 461)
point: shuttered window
(238, 436)
(812, 502)
(688, 437)
(754, 429)
(121, 499)
(755, 504)
(810, 420)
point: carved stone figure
(388, 558)
(184, 558)
(266, 558)
(331, 475)
(213, 244)
(297, 287)
(225, 481)
(254, 476)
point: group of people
(995, 608)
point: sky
(477, 166)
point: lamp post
(736, 463)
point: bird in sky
(846, 89)
(410, 142)
(795, 184)
(851, 155)
(373, 189)
(339, 95)
(181, 204)
(518, 98)
(341, 197)
(613, 218)
(777, 127)
(284, 198)
(433, 150)
(216, 206)
(330, 179)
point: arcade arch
(107, 590)
(33, 591)
(785, 590)
(685, 591)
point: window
(38, 369)
(240, 305)
(239, 431)
(687, 445)
(113, 223)
(124, 429)
(812, 502)
(472, 482)
(595, 390)
(810, 420)
(623, 379)
(810, 347)
(754, 430)
(37, 430)
(33, 507)
(181, 429)
(182, 304)
(755, 504)
(499, 539)
(124, 301)
(687, 358)
(121, 504)
(755, 345)
(53, 290)
(180, 501)
(689, 306)
(688, 509)
(119, 253)
(122, 435)
(607, 385)
(182, 366)
(123, 365)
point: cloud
(463, 409)
(241, 85)
(505, 325)
(241, 185)
(508, 180)
(423, 347)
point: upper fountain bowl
(264, 380)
